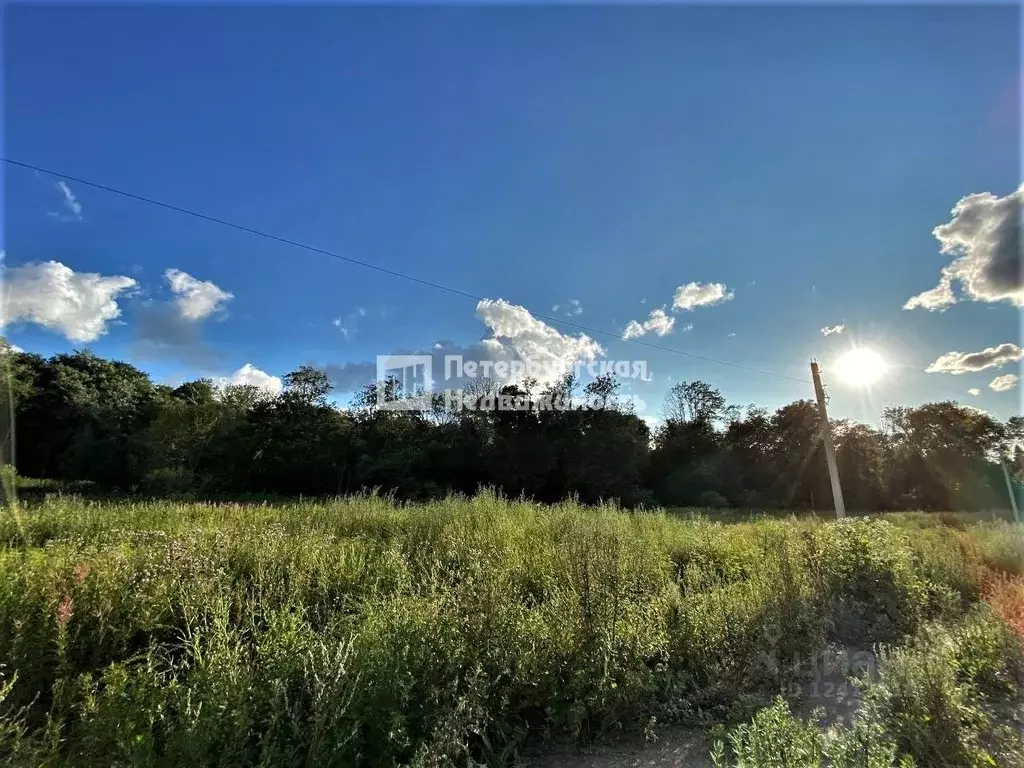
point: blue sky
(798, 157)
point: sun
(861, 367)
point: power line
(383, 270)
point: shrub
(773, 738)
(869, 575)
(941, 699)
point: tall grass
(950, 697)
(361, 632)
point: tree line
(81, 418)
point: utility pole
(1011, 491)
(830, 451)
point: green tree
(859, 458)
(941, 456)
(693, 401)
(180, 434)
(798, 457)
(85, 420)
(307, 385)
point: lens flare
(860, 367)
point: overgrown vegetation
(81, 419)
(949, 697)
(363, 632)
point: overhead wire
(381, 269)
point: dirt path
(675, 747)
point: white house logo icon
(414, 376)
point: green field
(467, 631)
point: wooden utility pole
(826, 434)
(1011, 491)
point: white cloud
(573, 307)
(251, 375)
(966, 362)
(175, 328)
(77, 304)
(693, 295)
(828, 330)
(10, 348)
(71, 204)
(1003, 383)
(730, 335)
(514, 335)
(340, 324)
(657, 322)
(984, 237)
(493, 347)
(519, 335)
(348, 325)
(633, 330)
(195, 299)
(974, 391)
(939, 298)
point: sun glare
(860, 367)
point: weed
(359, 631)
